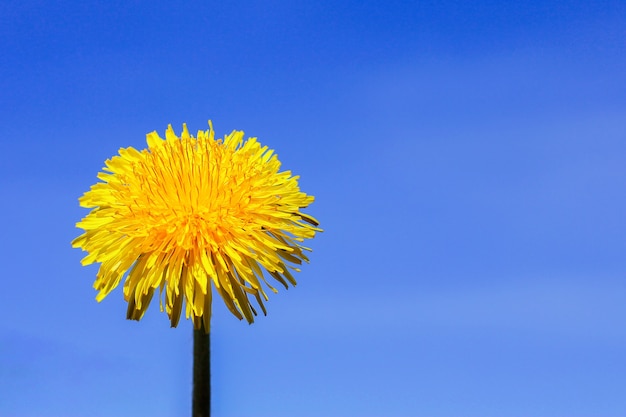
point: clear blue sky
(468, 160)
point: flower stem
(201, 402)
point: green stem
(201, 402)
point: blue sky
(468, 161)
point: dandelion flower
(189, 214)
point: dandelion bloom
(188, 212)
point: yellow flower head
(188, 212)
